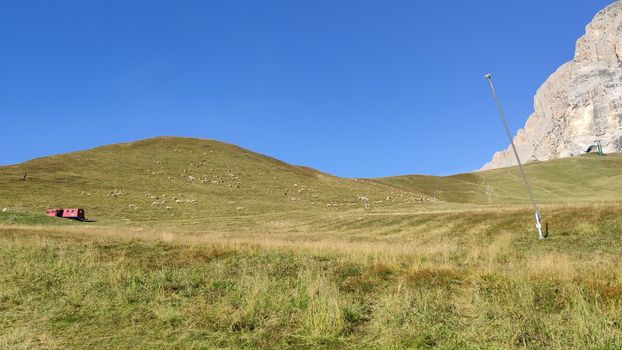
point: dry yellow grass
(429, 280)
(284, 273)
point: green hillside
(200, 244)
(586, 178)
(176, 179)
(190, 181)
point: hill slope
(586, 178)
(166, 178)
(182, 181)
(298, 273)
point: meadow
(462, 272)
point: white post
(539, 226)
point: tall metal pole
(520, 165)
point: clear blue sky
(356, 88)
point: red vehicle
(70, 213)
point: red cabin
(55, 212)
(68, 213)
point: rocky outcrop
(580, 103)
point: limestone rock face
(580, 103)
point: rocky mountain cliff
(580, 103)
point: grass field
(316, 271)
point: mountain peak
(580, 103)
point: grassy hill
(585, 178)
(255, 253)
(189, 181)
(176, 179)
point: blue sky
(356, 88)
